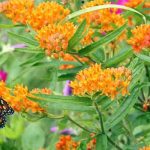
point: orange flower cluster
(18, 10)
(145, 148)
(133, 3)
(47, 13)
(110, 81)
(140, 38)
(106, 18)
(55, 38)
(66, 143)
(17, 98)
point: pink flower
(3, 75)
(121, 2)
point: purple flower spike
(68, 132)
(21, 45)
(3, 75)
(67, 89)
(54, 129)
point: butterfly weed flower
(110, 81)
(107, 19)
(66, 143)
(18, 99)
(47, 13)
(140, 38)
(54, 38)
(18, 10)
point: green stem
(142, 94)
(54, 116)
(113, 143)
(148, 76)
(100, 117)
(85, 129)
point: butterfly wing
(5, 109)
(2, 121)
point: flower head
(140, 37)
(3, 75)
(54, 38)
(110, 81)
(67, 131)
(20, 45)
(106, 18)
(67, 89)
(54, 129)
(18, 10)
(66, 143)
(17, 98)
(47, 13)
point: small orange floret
(133, 3)
(110, 81)
(47, 13)
(55, 38)
(140, 37)
(18, 10)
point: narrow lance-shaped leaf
(123, 110)
(118, 58)
(106, 39)
(79, 34)
(23, 39)
(7, 26)
(145, 58)
(72, 103)
(90, 9)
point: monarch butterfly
(5, 110)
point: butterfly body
(5, 110)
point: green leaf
(73, 103)
(123, 110)
(115, 60)
(34, 50)
(69, 76)
(72, 70)
(77, 36)
(10, 25)
(23, 39)
(90, 9)
(98, 55)
(143, 57)
(33, 60)
(106, 39)
(101, 142)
